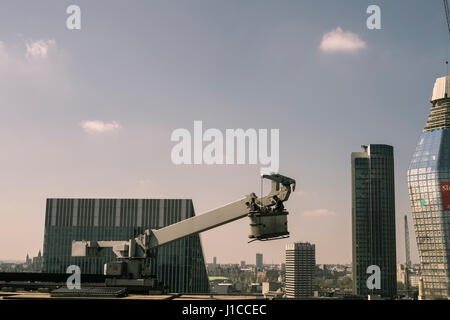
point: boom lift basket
(268, 225)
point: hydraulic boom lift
(266, 223)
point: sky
(90, 112)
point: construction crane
(268, 221)
(447, 15)
(408, 257)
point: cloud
(38, 49)
(319, 213)
(98, 126)
(36, 67)
(340, 41)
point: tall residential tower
(300, 268)
(429, 193)
(259, 261)
(373, 219)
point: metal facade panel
(180, 264)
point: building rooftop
(441, 89)
(439, 117)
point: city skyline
(101, 103)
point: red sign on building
(445, 191)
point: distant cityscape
(373, 273)
(269, 280)
(30, 265)
(272, 280)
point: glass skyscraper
(179, 265)
(373, 219)
(429, 193)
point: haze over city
(90, 113)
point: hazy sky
(145, 68)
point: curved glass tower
(429, 193)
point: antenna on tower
(447, 15)
(408, 257)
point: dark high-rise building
(429, 193)
(373, 219)
(259, 261)
(300, 268)
(180, 264)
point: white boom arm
(141, 245)
(203, 222)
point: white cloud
(38, 49)
(340, 41)
(98, 126)
(319, 213)
(36, 66)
